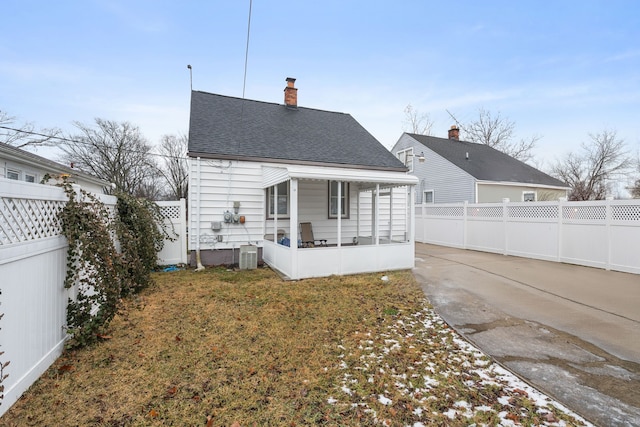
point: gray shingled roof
(486, 163)
(45, 164)
(228, 127)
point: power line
(246, 52)
(75, 141)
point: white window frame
(525, 193)
(424, 196)
(406, 156)
(28, 175)
(345, 198)
(15, 172)
(270, 194)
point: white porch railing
(603, 234)
(338, 260)
(33, 257)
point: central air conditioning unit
(248, 257)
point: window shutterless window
(29, 177)
(427, 197)
(529, 196)
(333, 199)
(282, 203)
(406, 157)
(13, 174)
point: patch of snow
(451, 413)
(384, 400)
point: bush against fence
(33, 267)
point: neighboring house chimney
(291, 94)
(454, 133)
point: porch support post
(358, 214)
(376, 222)
(293, 227)
(390, 214)
(339, 222)
(412, 214)
(275, 222)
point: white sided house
(259, 170)
(454, 171)
(21, 165)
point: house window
(283, 200)
(333, 199)
(13, 174)
(528, 196)
(428, 197)
(406, 157)
(29, 177)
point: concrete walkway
(572, 332)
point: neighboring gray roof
(20, 155)
(228, 127)
(486, 163)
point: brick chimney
(454, 133)
(291, 94)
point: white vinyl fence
(32, 272)
(603, 234)
(175, 218)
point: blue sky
(558, 69)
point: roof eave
(19, 155)
(523, 184)
(294, 162)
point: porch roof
(366, 178)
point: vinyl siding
(494, 193)
(449, 183)
(223, 182)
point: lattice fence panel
(626, 213)
(484, 212)
(23, 220)
(534, 211)
(450, 211)
(170, 212)
(587, 213)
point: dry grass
(223, 348)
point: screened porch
(362, 220)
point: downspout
(199, 266)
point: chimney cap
(291, 94)
(454, 133)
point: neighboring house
(452, 171)
(258, 170)
(22, 165)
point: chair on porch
(306, 236)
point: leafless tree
(499, 132)
(114, 151)
(25, 134)
(635, 188)
(591, 173)
(415, 122)
(174, 167)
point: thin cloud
(139, 18)
(623, 56)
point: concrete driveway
(572, 332)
